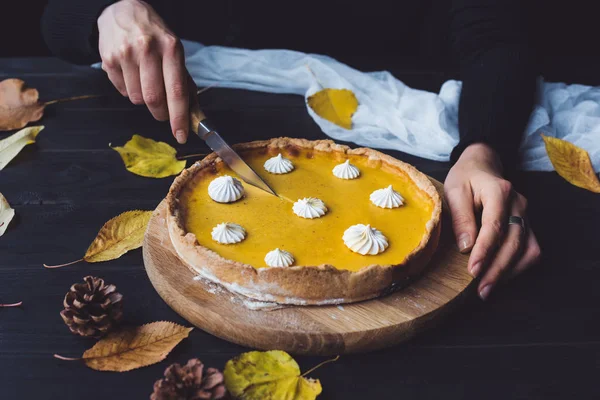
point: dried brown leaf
(19, 105)
(134, 347)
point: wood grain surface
(318, 330)
(535, 338)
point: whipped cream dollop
(225, 189)
(309, 207)
(387, 198)
(364, 239)
(228, 233)
(279, 258)
(278, 165)
(346, 171)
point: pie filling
(270, 222)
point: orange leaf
(18, 105)
(572, 163)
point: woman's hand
(145, 62)
(498, 250)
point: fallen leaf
(272, 374)
(6, 214)
(133, 347)
(12, 145)
(334, 105)
(119, 235)
(19, 105)
(149, 158)
(572, 163)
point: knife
(204, 129)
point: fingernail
(464, 242)
(180, 136)
(475, 269)
(485, 292)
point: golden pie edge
(302, 285)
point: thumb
(460, 201)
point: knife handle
(196, 115)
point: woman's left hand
(498, 250)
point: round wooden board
(318, 330)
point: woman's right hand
(145, 62)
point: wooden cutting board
(318, 330)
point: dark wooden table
(538, 337)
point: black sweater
(485, 41)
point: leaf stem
(12, 305)
(320, 365)
(191, 156)
(87, 96)
(66, 358)
(62, 265)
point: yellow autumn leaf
(149, 158)
(12, 145)
(133, 348)
(119, 235)
(6, 214)
(258, 375)
(572, 163)
(334, 105)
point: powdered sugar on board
(251, 304)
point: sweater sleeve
(70, 31)
(490, 41)
(70, 27)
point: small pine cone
(92, 308)
(189, 382)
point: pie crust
(303, 285)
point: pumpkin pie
(347, 224)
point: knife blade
(205, 131)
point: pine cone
(189, 382)
(92, 308)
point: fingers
(115, 75)
(531, 255)
(177, 89)
(153, 86)
(460, 201)
(519, 251)
(150, 69)
(494, 200)
(509, 252)
(131, 75)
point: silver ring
(516, 220)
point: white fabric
(390, 114)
